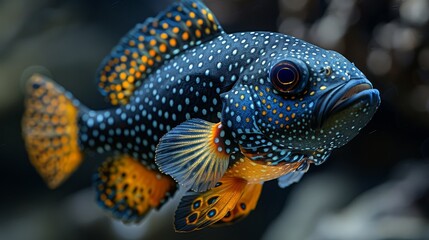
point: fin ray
(244, 206)
(184, 24)
(198, 161)
(199, 210)
(50, 130)
(128, 189)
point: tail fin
(50, 130)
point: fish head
(304, 99)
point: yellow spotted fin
(244, 206)
(199, 210)
(183, 25)
(50, 130)
(128, 190)
(194, 153)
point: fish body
(219, 113)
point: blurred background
(376, 187)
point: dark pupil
(286, 76)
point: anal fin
(199, 210)
(244, 206)
(128, 190)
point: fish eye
(289, 76)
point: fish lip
(344, 96)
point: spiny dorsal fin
(183, 25)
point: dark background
(376, 187)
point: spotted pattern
(244, 206)
(199, 210)
(227, 79)
(50, 130)
(179, 74)
(145, 48)
(129, 190)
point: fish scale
(194, 107)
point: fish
(194, 107)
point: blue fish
(192, 106)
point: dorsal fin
(184, 24)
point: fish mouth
(345, 96)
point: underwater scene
(192, 119)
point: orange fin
(183, 25)
(244, 206)
(199, 210)
(128, 190)
(195, 154)
(50, 130)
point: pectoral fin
(290, 178)
(195, 154)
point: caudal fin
(50, 130)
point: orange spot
(189, 23)
(198, 33)
(122, 76)
(152, 42)
(152, 53)
(177, 18)
(173, 42)
(165, 25)
(123, 58)
(200, 22)
(152, 32)
(121, 95)
(142, 68)
(203, 11)
(133, 63)
(141, 38)
(176, 30)
(135, 55)
(264, 113)
(140, 46)
(150, 62)
(125, 84)
(132, 70)
(163, 48)
(185, 36)
(130, 79)
(207, 30)
(210, 17)
(144, 59)
(164, 35)
(192, 15)
(293, 115)
(132, 43)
